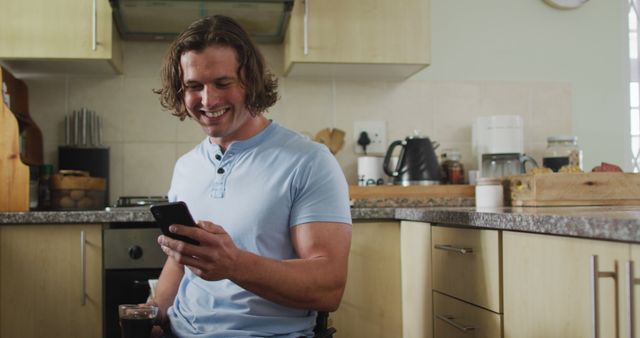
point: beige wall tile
(304, 105)
(147, 168)
(116, 172)
(550, 113)
(146, 140)
(47, 107)
(455, 108)
(102, 95)
(141, 118)
(144, 59)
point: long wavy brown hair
(259, 83)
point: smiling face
(214, 96)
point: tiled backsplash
(145, 141)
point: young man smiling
(276, 227)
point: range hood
(265, 20)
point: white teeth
(215, 113)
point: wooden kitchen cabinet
(388, 285)
(548, 286)
(358, 38)
(40, 35)
(41, 281)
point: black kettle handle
(387, 157)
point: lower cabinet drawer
(453, 318)
(466, 265)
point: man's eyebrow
(218, 79)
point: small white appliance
(497, 134)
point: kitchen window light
(634, 86)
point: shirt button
(220, 171)
(218, 157)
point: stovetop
(136, 202)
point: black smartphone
(173, 213)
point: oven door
(131, 257)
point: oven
(131, 257)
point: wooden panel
(371, 306)
(54, 29)
(474, 277)
(547, 286)
(415, 239)
(14, 175)
(557, 189)
(635, 258)
(390, 191)
(40, 285)
(359, 32)
(485, 323)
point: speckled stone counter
(71, 217)
(413, 202)
(608, 223)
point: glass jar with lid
(452, 168)
(561, 151)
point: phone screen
(173, 213)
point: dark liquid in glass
(555, 163)
(135, 327)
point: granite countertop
(607, 223)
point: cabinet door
(41, 281)
(415, 256)
(359, 32)
(371, 306)
(633, 317)
(60, 29)
(548, 286)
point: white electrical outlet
(377, 132)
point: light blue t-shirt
(257, 190)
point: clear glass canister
(561, 151)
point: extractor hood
(265, 20)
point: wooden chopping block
(333, 138)
(575, 189)
(14, 175)
(413, 191)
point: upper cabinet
(62, 36)
(357, 38)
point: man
(277, 230)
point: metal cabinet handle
(305, 27)
(450, 320)
(94, 28)
(452, 248)
(631, 282)
(595, 277)
(83, 279)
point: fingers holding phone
(168, 214)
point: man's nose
(210, 96)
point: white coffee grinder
(498, 145)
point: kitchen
(555, 68)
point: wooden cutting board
(14, 175)
(574, 189)
(414, 191)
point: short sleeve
(321, 192)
